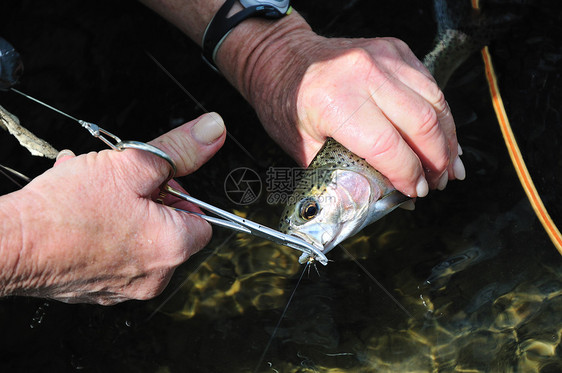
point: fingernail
(64, 153)
(209, 129)
(408, 205)
(458, 169)
(459, 149)
(422, 188)
(443, 181)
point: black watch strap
(220, 26)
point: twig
(28, 140)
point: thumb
(193, 143)
(190, 146)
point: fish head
(331, 210)
(338, 195)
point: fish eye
(309, 209)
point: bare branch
(28, 140)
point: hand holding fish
(375, 98)
(87, 230)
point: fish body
(340, 193)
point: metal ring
(151, 149)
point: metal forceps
(226, 219)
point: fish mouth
(307, 257)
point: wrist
(259, 50)
(265, 60)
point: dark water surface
(478, 276)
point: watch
(220, 26)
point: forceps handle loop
(122, 145)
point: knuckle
(391, 46)
(395, 42)
(355, 60)
(438, 101)
(428, 123)
(429, 132)
(185, 159)
(434, 95)
(359, 55)
(386, 143)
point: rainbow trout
(340, 193)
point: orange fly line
(514, 151)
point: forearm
(11, 244)
(38, 247)
(244, 45)
(260, 58)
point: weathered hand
(375, 98)
(91, 231)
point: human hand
(371, 95)
(378, 100)
(91, 231)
